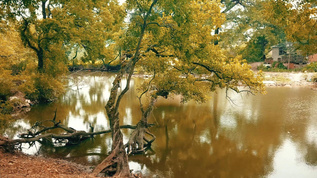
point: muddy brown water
(272, 135)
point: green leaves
(174, 40)
(178, 46)
(277, 21)
(48, 24)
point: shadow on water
(273, 135)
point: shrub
(262, 67)
(278, 65)
(6, 107)
(5, 83)
(48, 88)
(312, 67)
(18, 67)
(3, 122)
(42, 88)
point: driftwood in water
(40, 132)
(70, 138)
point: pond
(272, 135)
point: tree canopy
(50, 28)
(253, 27)
(298, 20)
(179, 44)
(173, 41)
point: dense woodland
(188, 48)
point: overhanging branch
(209, 69)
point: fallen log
(40, 132)
(71, 138)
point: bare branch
(49, 9)
(161, 25)
(147, 89)
(209, 69)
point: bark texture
(116, 164)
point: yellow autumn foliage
(18, 72)
(297, 19)
(178, 49)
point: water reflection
(288, 162)
(246, 136)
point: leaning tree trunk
(116, 164)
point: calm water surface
(272, 135)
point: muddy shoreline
(21, 165)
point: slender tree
(173, 41)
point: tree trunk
(40, 56)
(43, 9)
(116, 164)
(39, 51)
(216, 42)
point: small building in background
(290, 58)
(277, 53)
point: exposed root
(116, 164)
(138, 143)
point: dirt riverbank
(17, 165)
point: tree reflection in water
(215, 139)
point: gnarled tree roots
(115, 165)
(138, 143)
